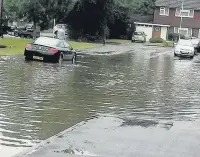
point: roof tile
(188, 4)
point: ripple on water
(38, 100)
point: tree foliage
(92, 17)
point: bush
(156, 40)
(175, 36)
(168, 44)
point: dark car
(5, 30)
(49, 49)
(196, 44)
(29, 27)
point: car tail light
(53, 50)
(29, 46)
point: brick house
(168, 12)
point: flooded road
(38, 100)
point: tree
(85, 17)
(93, 17)
(11, 8)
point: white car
(184, 48)
(139, 36)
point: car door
(66, 50)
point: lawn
(15, 46)
(117, 41)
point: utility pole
(54, 24)
(181, 19)
(1, 16)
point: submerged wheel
(175, 54)
(28, 57)
(60, 60)
(74, 58)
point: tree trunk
(34, 29)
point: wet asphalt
(133, 100)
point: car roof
(47, 41)
(185, 41)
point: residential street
(135, 100)
(100, 78)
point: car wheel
(28, 36)
(74, 58)
(16, 34)
(191, 57)
(22, 36)
(175, 55)
(60, 60)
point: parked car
(29, 27)
(61, 26)
(139, 36)
(184, 48)
(196, 44)
(5, 29)
(49, 49)
(25, 31)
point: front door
(156, 31)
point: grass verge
(163, 44)
(117, 41)
(168, 44)
(15, 46)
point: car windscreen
(138, 33)
(29, 25)
(51, 42)
(185, 43)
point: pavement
(148, 139)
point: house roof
(188, 4)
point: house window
(184, 31)
(199, 33)
(164, 11)
(184, 13)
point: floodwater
(38, 100)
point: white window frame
(199, 33)
(189, 12)
(184, 29)
(165, 11)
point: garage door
(146, 29)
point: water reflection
(39, 100)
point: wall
(175, 21)
(146, 29)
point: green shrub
(175, 36)
(168, 44)
(156, 40)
